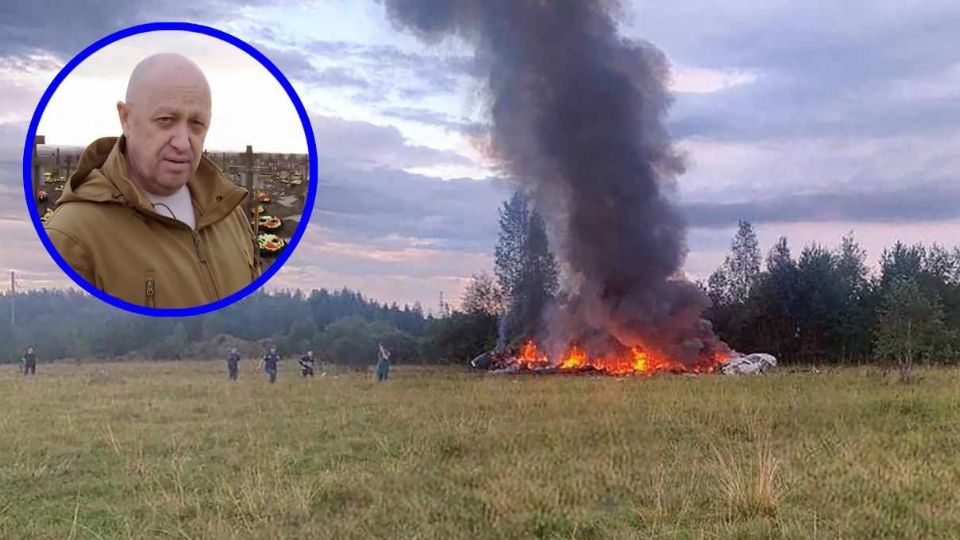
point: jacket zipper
(203, 263)
(151, 285)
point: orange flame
(576, 358)
(638, 361)
(530, 357)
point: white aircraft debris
(751, 363)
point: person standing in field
(270, 362)
(383, 363)
(30, 361)
(233, 364)
(307, 363)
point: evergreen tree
(732, 282)
(900, 263)
(743, 265)
(776, 297)
(718, 288)
(853, 318)
(525, 267)
(514, 219)
(818, 311)
(730, 286)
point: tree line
(343, 325)
(828, 306)
(822, 306)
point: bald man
(146, 217)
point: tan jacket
(104, 226)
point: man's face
(165, 128)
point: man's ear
(123, 111)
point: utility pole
(13, 298)
(444, 307)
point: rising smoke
(577, 119)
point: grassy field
(172, 450)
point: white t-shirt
(178, 206)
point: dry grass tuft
(749, 489)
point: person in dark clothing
(270, 362)
(383, 363)
(233, 364)
(29, 362)
(307, 363)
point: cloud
(380, 72)
(22, 81)
(920, 204)
(365, 145)
(64, 28)
(375, 206)
(783, 35)
(816, 69)
(435, 118)
(442, 66)
(296, 64)
(12, 135)
(338, 77)
(384, 287)
(396, 236)
(775, 108)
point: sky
(810, 119)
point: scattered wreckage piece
(751, 363)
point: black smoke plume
(577, 115)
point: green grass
(173, 450)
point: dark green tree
(524, 265)
(900, 263)
(775, 299)
(818, 313)
(853, 321)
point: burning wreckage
(530, 359)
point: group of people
(269, 363)
(307, 362)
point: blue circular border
(33, 208)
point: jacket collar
(102, 176)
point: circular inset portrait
(171, 170)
